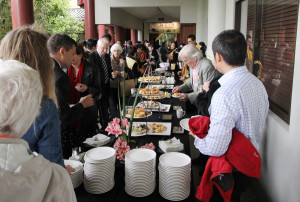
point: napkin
(171, 145)
(97, 140)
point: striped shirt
(242, 103)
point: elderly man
(101, 60)
(62, 49)
(201, 70)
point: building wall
(105, 13)
(123, 19)
(188, 8)
(201, 23)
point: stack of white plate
(99, 170)
(140, 172)
(174, 176)
(77, 175)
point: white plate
(155, 86)
(150, 94)
(152, 82)
(195, 116)
(133, 134)
(145, 103)
(176, 96)
(184, 123)
(155, 97)
(166, 132)
(129, 116)
(163, 108)
(140, 155)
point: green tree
(53, 15)
(5, 18)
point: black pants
(113, 103)
(103, 105)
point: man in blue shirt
(241, 102)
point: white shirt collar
(232, 73)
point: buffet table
(118, 192)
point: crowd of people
(57, 92)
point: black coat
(96, 61)
(203, 99)
(91, 78)
(67, 114)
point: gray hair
(102, 41)
(191, 52)
(116, 47)
(20, 97)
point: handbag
(128, 85)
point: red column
(101, 31)
(118, 33)
(21, 13)
(90, 28)
(112, 34)
(133, 36)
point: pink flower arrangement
(149, 146)
(121, 147)
(115, 128)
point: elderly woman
(120, 72)
(28, 45)
(118, 67)
(24, 176)
(201, 70)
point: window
(271, 39)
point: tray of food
(150, 79)
(139, 129)
(151, 128)
(139, 113)
(146, 91)
(155, 86)
(149, 104)
(161, 95)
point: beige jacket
(25, 177)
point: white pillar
(201, 23)
(216, 22)
(140, 36)
(230, 14)
(244, 15)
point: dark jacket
(91, 78)
(203, 99)
(96, 61)
(67, 114)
